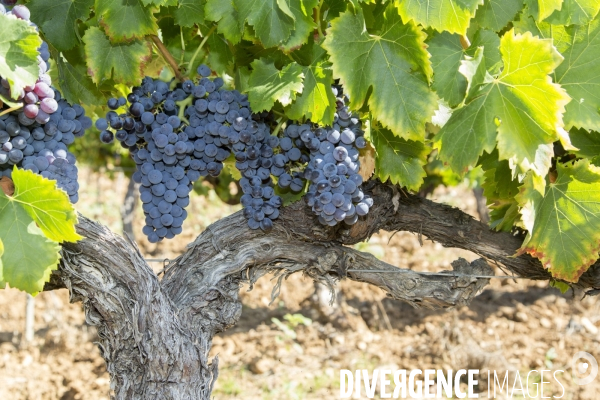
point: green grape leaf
(124, 62)
(273, 20)
(189, 12)
(464, 138)
(496, 14)
(563, 287)
(10, 102)
(317, 101)
(47, 205)
(58, 20)
(491, 53)
(446, 56)
(268, 84)
(76, 86)
(242, 76)
(29, 256)
(164, 3)
(334, 8)
(587, 143)
(575, 12)
(504, 215)
(124, 20)
(442, 15)
(499, 189)
(499, 184)
(247, 52)
(18, 53)
(531, 192)
(2, 283)
(287, 195)
(541, 9)
(579, 75)
(399, 160)
(304, 23)
(520, 109)
(229, 166)
(230, 23)
(393, 63)
(220, 58)
(566, 229)
(558, 33)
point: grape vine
(503, 97)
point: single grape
(203, 70)
(106, 137)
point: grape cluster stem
(9, 110)
(191, 65)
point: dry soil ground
(512, 325)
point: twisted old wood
(155, 335)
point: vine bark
(155, 335)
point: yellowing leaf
(566, 230)
(48, 206)
(520, 109)
(124, 62)
(29, 257)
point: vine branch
(156, 335)
(11, 109)
(318, 19)
(164, 52)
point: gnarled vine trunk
(155, 335)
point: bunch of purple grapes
(36, 137)
(256, 160)
(334, 193)
(179, 133)
(177, 136)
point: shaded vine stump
(155, 335)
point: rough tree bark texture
(155, 335)
(129, 206)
